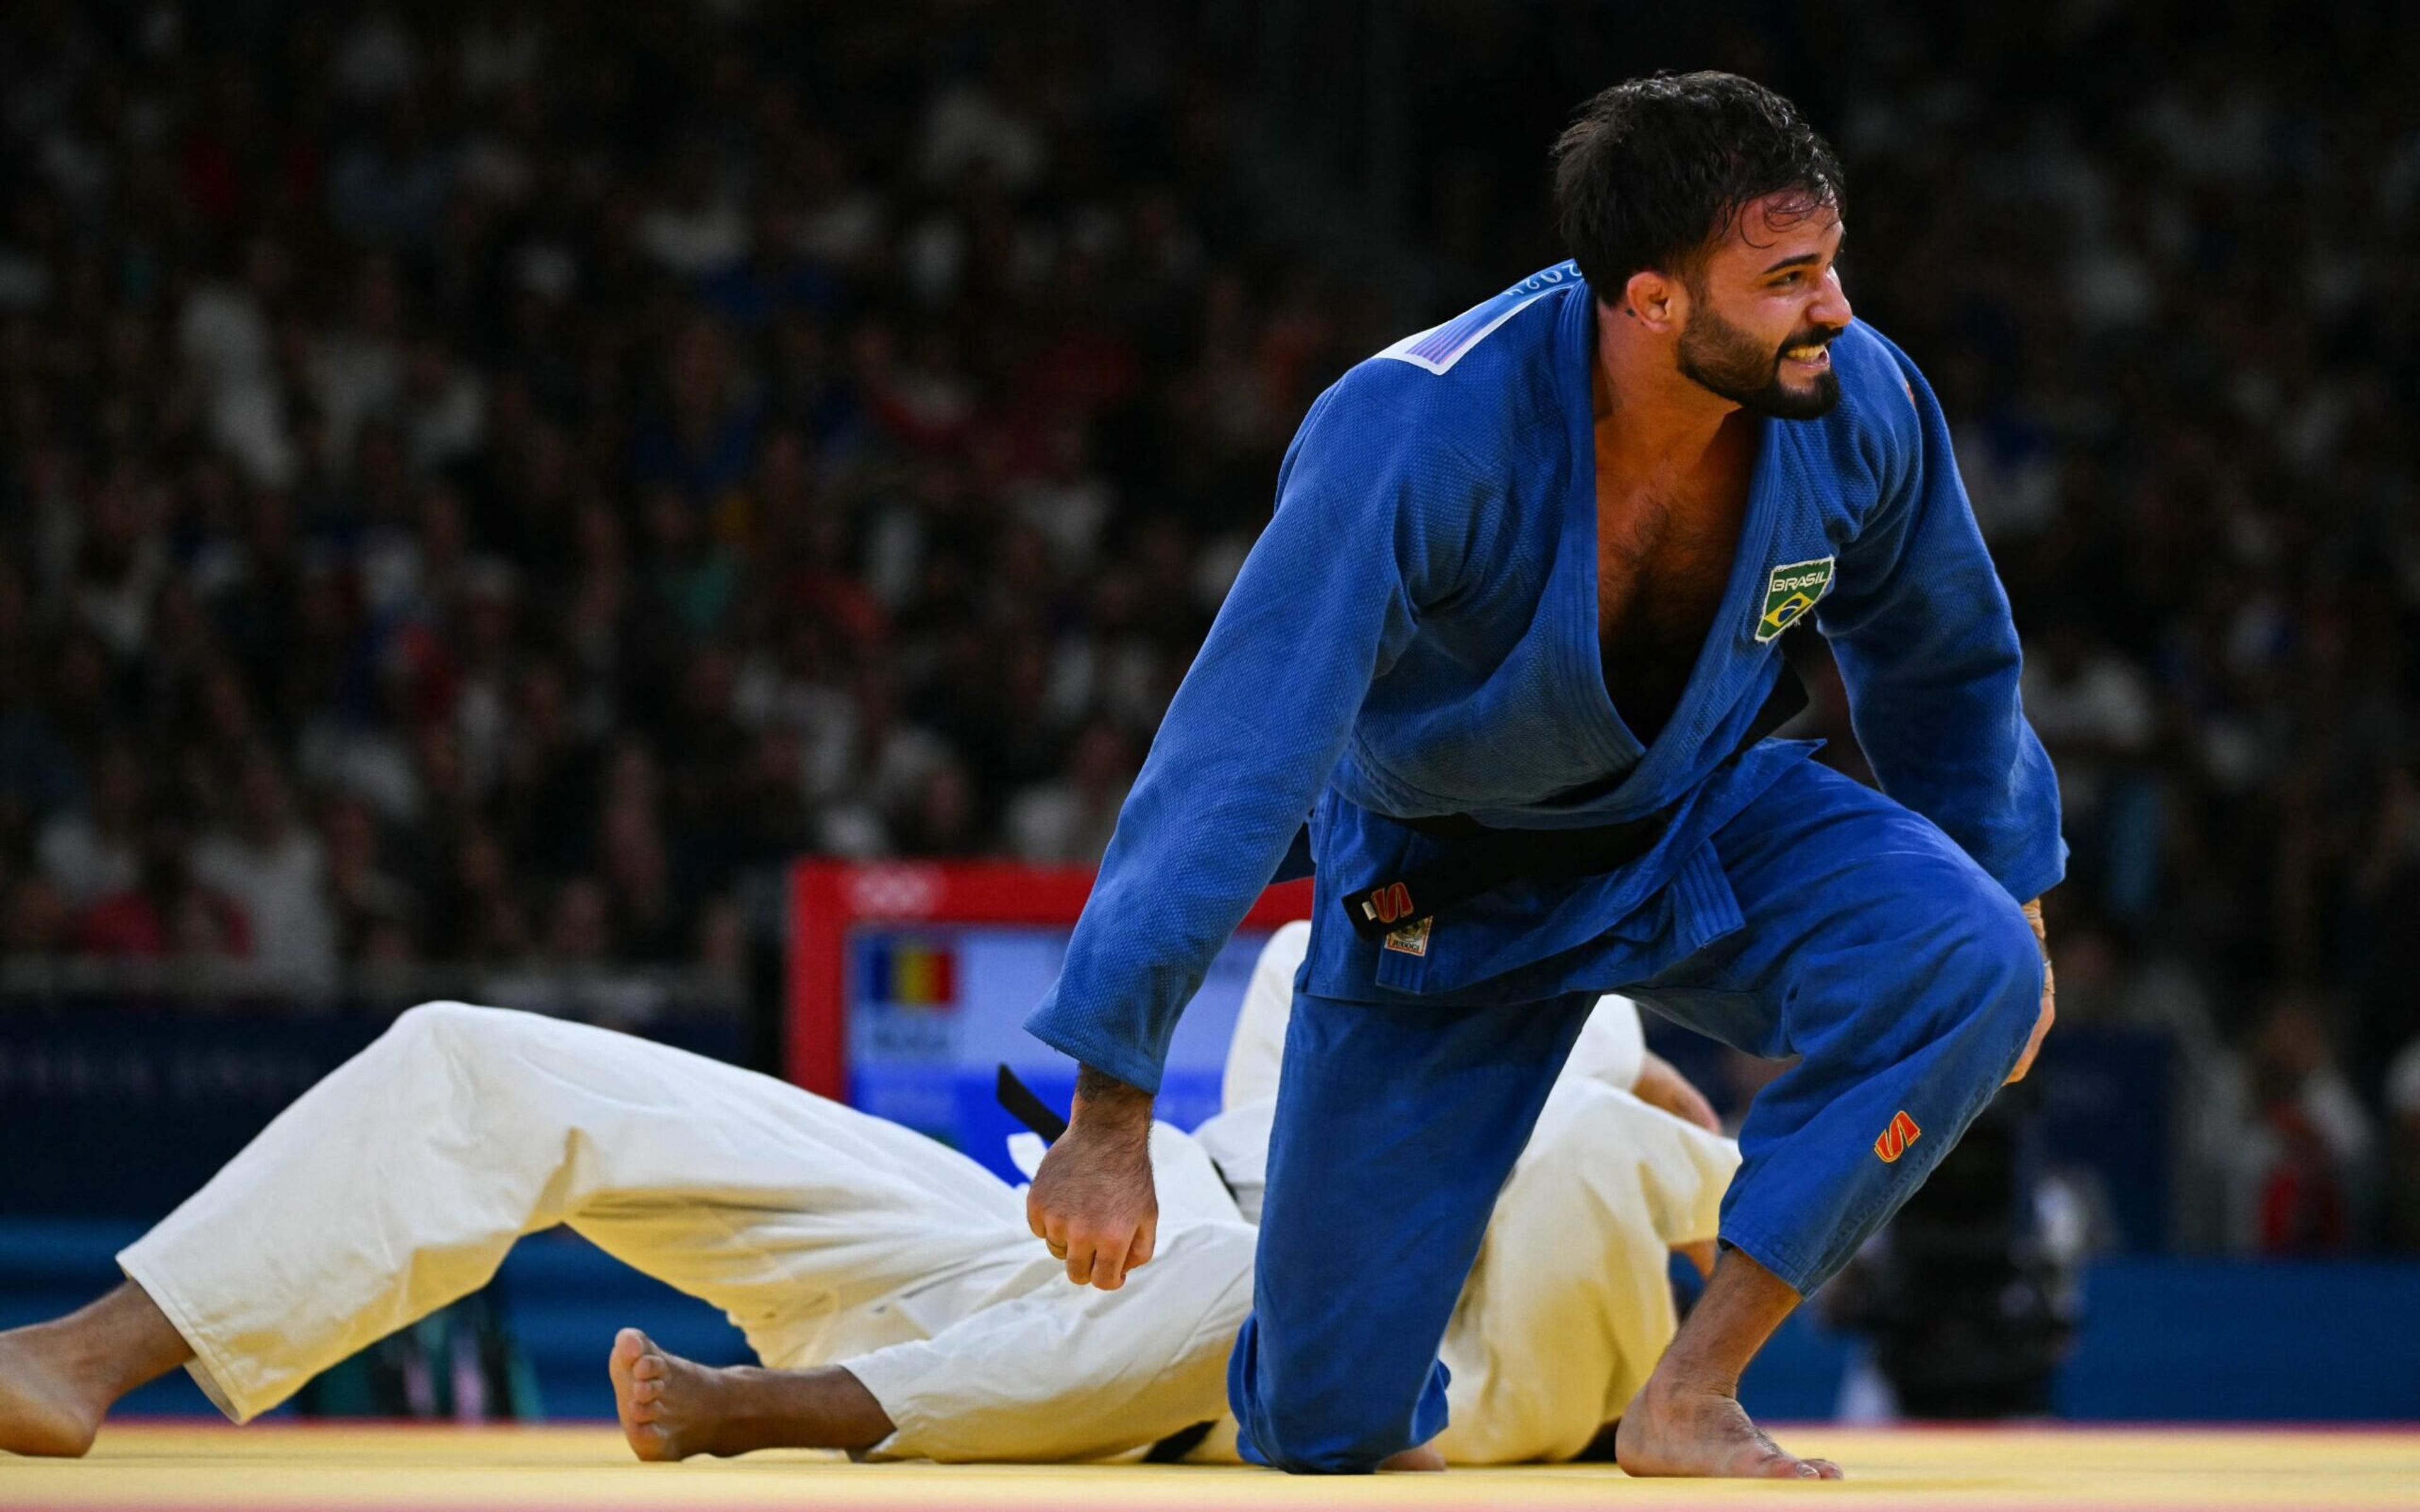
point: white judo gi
(828, 1237)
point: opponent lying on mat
(890, 1281)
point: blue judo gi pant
(1901, 976)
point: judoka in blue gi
(1530, 568)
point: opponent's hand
(1092, 1200)
(1660, 1085)
(2050, 995)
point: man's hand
(1092, 1202)
(1660, 1085)
(2050, 995)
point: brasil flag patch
(1789, 593)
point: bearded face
(1792, 380)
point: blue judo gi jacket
(1416, 634)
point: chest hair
(1663, 565)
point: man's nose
(1831, 306)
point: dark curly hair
(1653, 168)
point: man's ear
(1657, 302)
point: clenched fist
(1092, 1200)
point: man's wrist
(1101, 1098)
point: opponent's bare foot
(1421, 1456)
(43, 1408)
(672, 1408)
(58, 1379)
(668, 1406)
(1690, 1432)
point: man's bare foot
(672, 1408)
(1684, 1432)
(1421, 1456)
(43, 1408)
(1687, 1419)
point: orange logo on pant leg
(1893, 1141)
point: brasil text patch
(1792, 590)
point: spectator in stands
(276, 870)
(366, 899)
(648, 918)
(95, 850)
(579, 926)
(2310, 1151)
(1068, 821)
(165, 914)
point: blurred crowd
(2165, 303)
(475, 486)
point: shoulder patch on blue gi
(1412, 939)
(1437, 348)
(1792, 590)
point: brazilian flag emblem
(1789, 593)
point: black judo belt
(1477, 860)
(1025, 1107)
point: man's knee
(458, 1037)
(1326, 1442)
(1996, 967)
(1331, 1426)
(439, 1023)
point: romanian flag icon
(912, 974)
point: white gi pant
(830, 1236)
(396, 1185)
